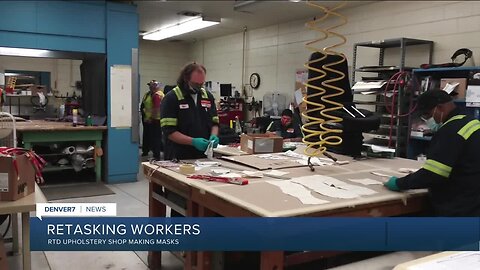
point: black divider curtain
(94, 86)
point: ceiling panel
(157, 14)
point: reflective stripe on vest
(437, 168)
(178, 93)
(172, 122)
(204, 94)
(456, 117)
(467, 130)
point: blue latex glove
(200, 144)
(215, 140)
(391, 184)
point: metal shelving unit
(399, 131)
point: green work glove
(215, 140)
(200, 144)
(391, 184)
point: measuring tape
(234, 180)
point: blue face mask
(432, 124)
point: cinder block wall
(275, 52)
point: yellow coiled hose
(321, 127)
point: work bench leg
(15, 234)
(27, 263)
(156, 209)
(271, 260)
(204, 258)
(98, 163)
(191, 259)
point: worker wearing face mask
(452, 170)
(286, 128)
(189, 116)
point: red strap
(37, 162)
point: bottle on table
(75, 117)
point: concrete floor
(132, 200)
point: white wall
(161, 61)
(275, 52)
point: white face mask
(432, 124)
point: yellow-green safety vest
(147, 102)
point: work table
(262, 199)
(42, 125)
(49, 132)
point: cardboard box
(461, 89)
(13, 186)
(261, 143)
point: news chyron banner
(96, 227)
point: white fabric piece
(252, 174)
(231, 175)
(276, 173)
(332, 187)
(220, 171)
(380, 174)
(303, 159)
(366, 181)
(298, 191)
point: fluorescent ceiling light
(179, 29)
(23, 52)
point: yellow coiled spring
(321, 127)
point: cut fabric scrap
(252, 174)
(380, 174)
(298, 191)
(220, 171)
(366, 181)
(276, 173)
(332, 187)
(231, 175)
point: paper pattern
(366, 181)
(297, 191)
(332, 187)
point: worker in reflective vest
(452, 170)
(152, 132)
(189, 116)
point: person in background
(286, 127)
(452, 170)
(152, 132)
(189, 116)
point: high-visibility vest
(147, 106)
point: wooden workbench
(40, 131)
(24, 206)
(210, 198)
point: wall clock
(255, 80)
